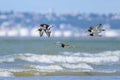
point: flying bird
(45, 28)
(95, 30)
(63, 45)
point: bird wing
(48, 32)
(95, 34)
(44, 25)
(96, 28)
(41, 33)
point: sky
(61, 6)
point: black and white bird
(63, 45)
(45, 28)
(95, 30)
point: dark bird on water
(63, 45)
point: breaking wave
(35, 72)
(98, 58)
(66, 63)
(5, 73)
(71, 58)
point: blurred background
(70, 18)
(24, 53)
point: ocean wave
(98, 58)
(101, 54)
(35, 72)
(67, 63)
(4, 73)
(80, 66)
(7, 60)
(46, 68)
(60, 67)
(76, 58)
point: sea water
(42, 59)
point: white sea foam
(5, 73)
(47, 68)
(78, 66)
(60, 67)
(110, 53)
(99, 58)
(101, 54)
(7, 60)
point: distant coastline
(71, 24)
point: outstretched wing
(90, 29)
(41, 33)
(48, 32)
(96, 28)
(95, 34)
